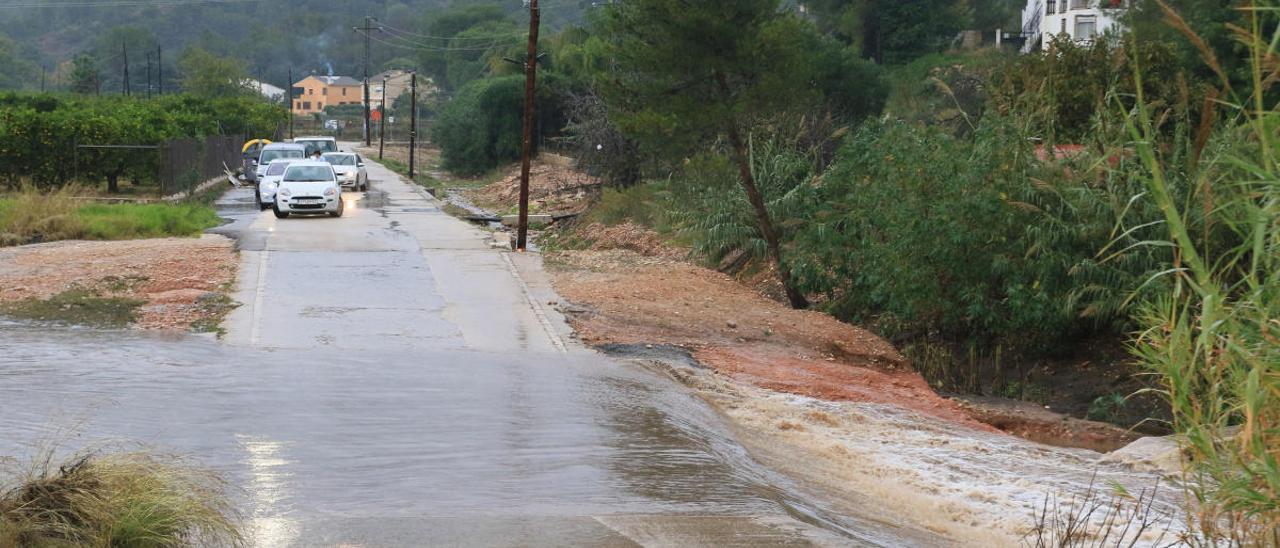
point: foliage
(479, 51)
(897, 32)
(481, 128)
(19, 71)
(971, 239)
(39, 133)
(115, 499)
(85, 77)
(207, 75)
(1065, 89)
(1212, 340)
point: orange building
(313, 93)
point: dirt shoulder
(630, 288)
(623, 297)
(167, 283)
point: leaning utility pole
(530, 81)
(124, 46)
(382, 120)
(413, 121)
(367, 30)
(290, 103)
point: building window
(306, 105)
(344, 92)
(1050, 7)
(1086, 27)
(1079, 4)
(324, 91)
(297, 105)
(311, 91)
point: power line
(426, 47)
(394, 30)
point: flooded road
(391, 381)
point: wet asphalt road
(392, 380)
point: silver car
(350, 169)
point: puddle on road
(397, 434)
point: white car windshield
(269, 155)
(304, 174)
(341, 159)
(321, 145)
(277, 168)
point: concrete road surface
(392, 380)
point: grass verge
(29, 216)
(115, 499)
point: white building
(1082, 20)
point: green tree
(687, 72)
(16, 71)
(84, 74)
(895, 32)
(208, 75)
(443, 26)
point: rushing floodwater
(387, 435)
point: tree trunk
(794, 296)
(113, 182)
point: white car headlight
(285, 192)
(268, 186)
(330, 191)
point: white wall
(1045, 26)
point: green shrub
(482, 127)
(969, 239)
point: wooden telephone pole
(382, 120)
(526, 154)
(413, 121)
(367, 30)
(124, 82)
(290, 102)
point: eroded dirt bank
(167, 283)
(833, 405)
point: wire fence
(185, 163)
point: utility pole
(159, 71)
(413, 121)
(148, 75)
(367, 30)
(42, 71)
(526, 155)
(290, 103)
(382, 120)
(124, 46)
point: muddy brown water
(314, 433)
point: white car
(270, 179)
(308, 186)
(350, 169)
(322, 144)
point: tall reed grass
(1214, 341)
